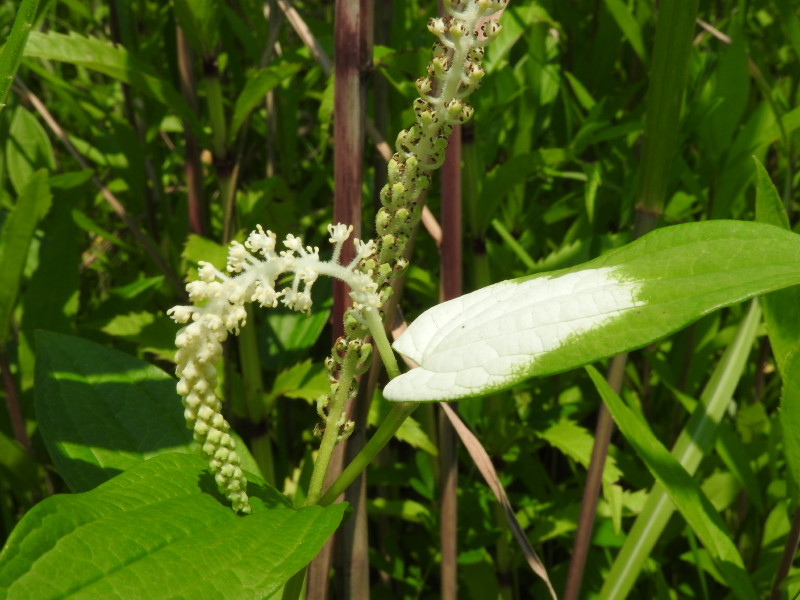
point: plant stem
(594, 479)
(671, 51)
(13, 404)
(787, 558)
(382, 343)
(12, 52)
(397, 415)
(331, 435)
(451, 287)
(193, 169)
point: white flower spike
(255, 267)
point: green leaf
(18, 467)
(198, 248)
(492, 338)
(151, 332)
(769, 207)
(291, 335)
(693, 443)
(306, 380)
(200, 21)
(27, 148)
(15, 240)
(257, 86)
(14, 44)
(576, 442)
(113, 61)
(627, 23)
(687, 495)
(160, 531)
(101, 411)
(89, 225)
(782, 314)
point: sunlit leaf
(160, 531)
(497, 336)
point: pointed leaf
(15, 240)
(782, 314)
(100, 411)
(684, 491)
(502, 334)
(27, 148)
(115, 62)
(257, 86)
(159, 531)
(200, 21)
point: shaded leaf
(782, 314)
(27, 148)
(15, 240)
(257, 86)
(101, 411)
(159, 531)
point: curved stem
(331, 435)
(397, 415)
(382, 342)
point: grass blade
(694, 441)
(684, 491)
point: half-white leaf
(500, 335)
(489, 339)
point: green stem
(382, 342)
(397, 415)
(515, 246)
(12, 51)
(331, 435)
(227, 194)
(250, 362)
(219, 143)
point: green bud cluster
(353, 354)
(453, 73)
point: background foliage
(551, 177)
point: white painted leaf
(489, 339)
(625, 299)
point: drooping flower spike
(453, 73)
(219, 309)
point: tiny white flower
(259, 241)
(181, 314)
(339, 233)
(293, 243)
(308, 275)
(238, 257)
(197, 290)
(207, 271)
(364, 249)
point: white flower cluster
(219, 309)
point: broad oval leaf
(158, 531)
(101, 411)
(502, 334)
